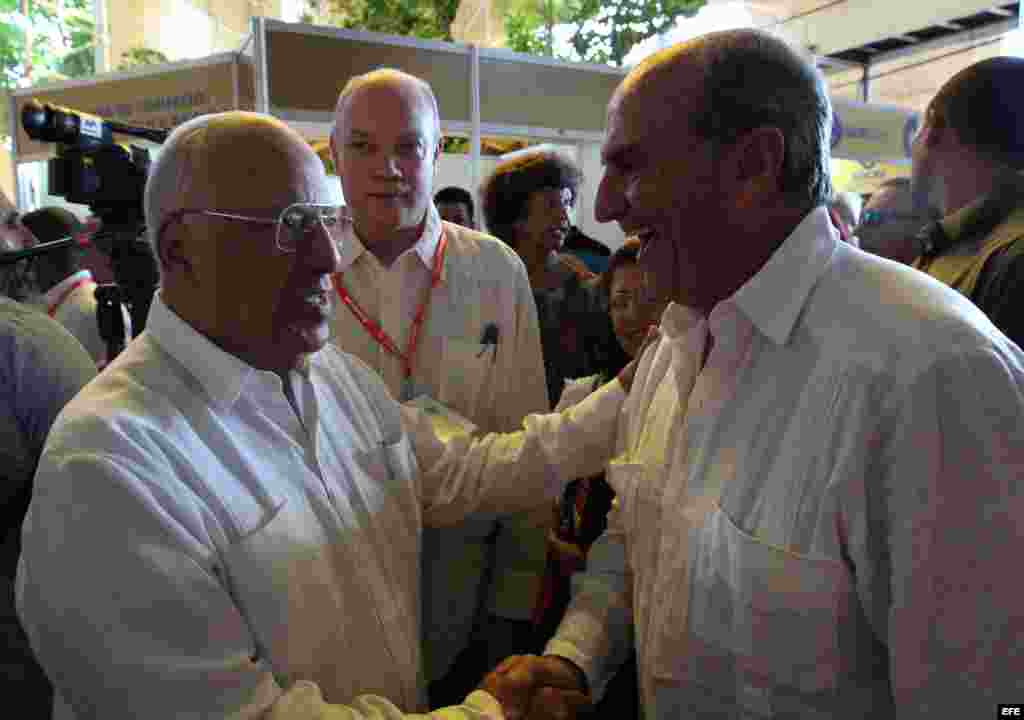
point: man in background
(967, 162)
(68, 292)
(41, 368)
(442, 311)
(455, 205)
(890, 224)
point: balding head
(385, 143)
(223, 161)
(224, 270)
(395, 80)
(738, 80)
(725, 135)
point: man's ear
(933, 133)
(172, 249)
(755, 162)
(334, 152)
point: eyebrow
(411, 135)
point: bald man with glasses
(227, 522)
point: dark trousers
(491, 643)
(22, 680)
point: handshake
(532, 687)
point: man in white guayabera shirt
(819, 467)
(226, 523)
(442, 311)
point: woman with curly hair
(526, 203)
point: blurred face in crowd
(660, 183)
(926, 181)
(546, 221)
(266, 306)
(455, 212)
(631, 307)
(889, 224)
(385, 146)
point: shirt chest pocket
(467, 378)
(763, 625)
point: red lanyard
(53, 307)
(377, 332)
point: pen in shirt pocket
(490, 337)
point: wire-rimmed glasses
(292, 225)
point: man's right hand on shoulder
(532, 687)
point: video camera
(91, 169)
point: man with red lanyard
(445, 312)
(69, 292)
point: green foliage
(62, 36)
(601, 31)
(139, 57)
(455, 144)
(528, 31)
(430, 19)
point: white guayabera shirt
(483, 297)
(825, 520)
(194, 549)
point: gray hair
(170, 177)
(753, 79)
(389, 75)
(181, 169)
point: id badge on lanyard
(409, 387)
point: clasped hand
(532, 687)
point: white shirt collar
(222, 375)
(54, 295)
(424, 248)
(678, 320)
(775, 296)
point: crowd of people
(761, 461)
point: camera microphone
(52, 123)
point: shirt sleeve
(46, 367)
(596, 632)
(51, 367)
(939, 578)
(574, 391)
(504, 472)
(131, 615)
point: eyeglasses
(293, 224)
(870, 218)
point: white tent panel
(835, 27)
